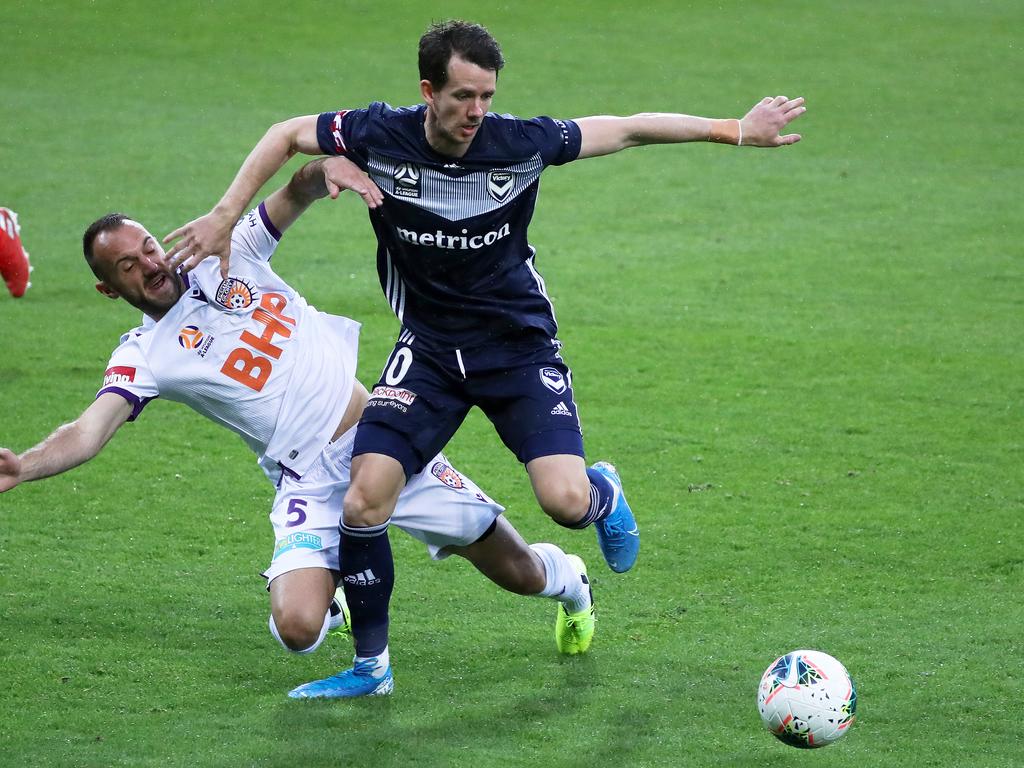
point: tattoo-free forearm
(277, 146)
(605, 134)
(64, 449)
(307, 184)
(77, 442)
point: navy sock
(602, 499)
(368, 577)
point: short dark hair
(103, 224)
(469, 41)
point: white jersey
(247, 352)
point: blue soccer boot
(352, 683)
(617, 534)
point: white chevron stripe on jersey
(395, 289)
(456, 197)
(541, 285)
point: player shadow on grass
(466, 722)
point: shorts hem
(552, 442)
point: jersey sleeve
(128, 375)
(342, 132)
(255, 237)
(558, 141)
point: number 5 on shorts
(295, 507)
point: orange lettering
(247, 368)
(252, 370)
(272, 327)
(275, 304)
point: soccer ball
(807, 699)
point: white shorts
(438, 506)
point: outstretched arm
(314, 180)
(760, 127)
(210, 235)
(67, 446)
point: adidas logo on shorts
(560, 410)
(362, 579)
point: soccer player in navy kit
(457, 186)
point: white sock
(277, 635)
(380, 662)
(335, 620)
(563, 582)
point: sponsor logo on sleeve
(339, 142)
(565, 131)
(500, 185)
(407, 180)
(447, 475)
(118, 374)
(553, 380)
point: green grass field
(807, 365)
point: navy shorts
(423, 397)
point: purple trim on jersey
(268, 223)
(290, 472)
(137, 403)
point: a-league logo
(407, 180)
(500, 185)
(190, 337)
(553, 380)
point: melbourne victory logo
(500, 185)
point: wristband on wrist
(726, 132)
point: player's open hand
(10, 469)
(340, 173)
(762, 126)
(209, 235)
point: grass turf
(807, 365)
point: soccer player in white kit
(247, 351)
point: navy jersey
(453, 256)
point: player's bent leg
(366, 565)
(504, 557)
(543, 570)
(557, 484)
(377, 481)
(561, 486)
(300, 603)
(617, 531)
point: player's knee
(298, 631)
(566, 502)
(363, 509)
